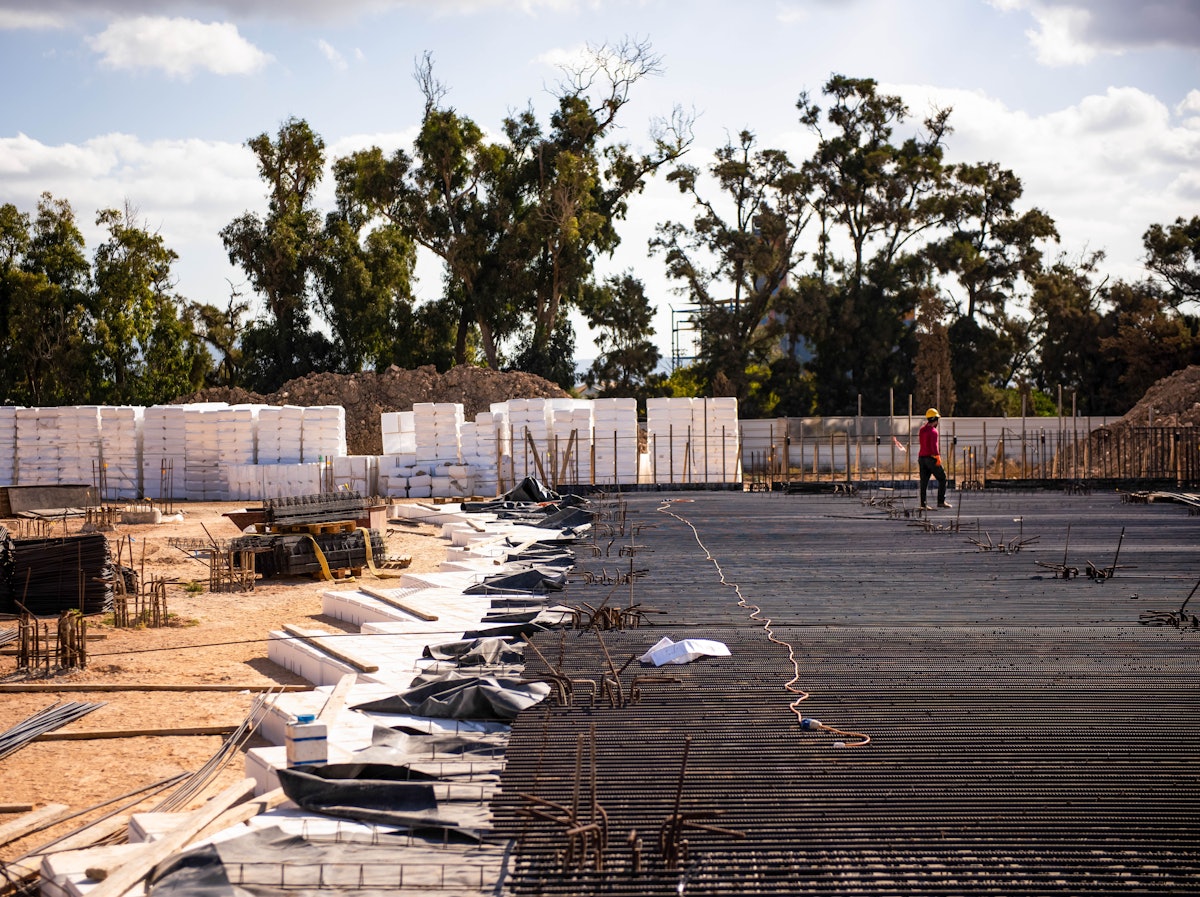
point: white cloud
(1071, 32)
(1104, 168)
(1056, 38)
(336, 59)
(565, 57)
(187, 190)
(281, 10)
(1189, 109)
(30, 19)
(790, 13)
(178, 47)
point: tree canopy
(872, 269)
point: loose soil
(213, 639)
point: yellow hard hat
(931, 414)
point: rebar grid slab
(1027, 734)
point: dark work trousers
(930, 468)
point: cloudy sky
(1095, 104)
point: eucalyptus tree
(1144, 339)
(221, 329)
(876, 201)
(1173, 254)
(989, 254)
(144, 342)
(624, 320)
(518, 222)
(735, 260)
(278, 253)
(364, 274)
(1068, 325)
(440, 198)
(44, 305)
(570, 185)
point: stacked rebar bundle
(47, 576)
(295, 555)
(54, 717)
(320, 508)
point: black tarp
(531, 489)
(405, 745)
(565, 518)
(477, 652)
(367, 792)
(520, 581)
(456, 695)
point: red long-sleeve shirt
(929, 441)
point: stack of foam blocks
(569, 440)
(164, 458)
(529, 435)
(438, 426)
(323, 433)
(693, 440)
(399, 459)
(484, 446)
(8, 445)
(121, 450)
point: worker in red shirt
(929, 459)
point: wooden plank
(337, 699)
(242, 812)
(316, 637)
(21, 827)
(75, 687)
(380, 595)
(15, 808)
(119, 880)
(29, 867)
(136, 733)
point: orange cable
(755, 612)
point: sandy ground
(216, 638)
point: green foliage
(686, 381)
(735, 259)
(920, 271)
(619, 310)
(1173, 253)
(279, 254)
(73, 333)
(1006, 402)
(554, 360)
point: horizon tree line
(871, 268)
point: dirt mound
(367, 395)
(1173, 401)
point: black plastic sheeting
(530, 580)
(402, 743)
(566, 518)
(477, 652)
(531, 489)
(456, 695)
(368, 792)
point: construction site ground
(975, 722)
(213, 639)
